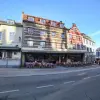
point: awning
(9, 48)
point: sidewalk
(13, 72)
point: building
(10, 43)
(75, 47)
(90, 47)
(98, 54)
(43, 40)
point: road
(74, 85)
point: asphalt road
(81, 85)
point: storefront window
(9, 54)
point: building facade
(43, 39)
(90, 47)
(10, 43)
(75, 47)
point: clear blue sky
(85, 13)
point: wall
(6, 30)
(9, 63)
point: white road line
(9, 91)
(69, 82)
(92, 76)
(44, 86)
(82, 73)
(86, 78)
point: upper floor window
(53, 23)
(0, 35)
(87, 49)
(61, 25)
(53, 33)
(31, 19)
(25, 29)
(42, 33)
(70, 36)
(11, 36)
(30, 30)
(42, 21)
(62, 35)
(42, 44)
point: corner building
(43, 40)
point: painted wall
(5, 29)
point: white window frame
(61, 25)
(42, 33)
(70, 36)
(53, 23)
(42, 21)
(42, 44)
(31, 19)
(53, 33)
(13, 36)
(0, 36)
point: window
(78, 46)
(42, 33)
(42, 44)
(31, 19)
(61, 25)
(30, 30)
(11, 36)
(90, 42)
(42, 21)
(9, 54)
(86, 41)
(62, 35)
(10, 21)
(15, 53)
(70, 36)
(90, 49)
(25, 29)
(87, 49)
(0, 35)
(30, 43)
(53, 24)
(53, 33)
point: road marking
(82, 73)
(49, 73)
(69, 82)
(86, 78)
(91, 76)
(44, 86)
(9, 91)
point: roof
(87, 37)
(47, 22)
(2, 22)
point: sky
(85, 13)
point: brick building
(43, 39)
(76, 49)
